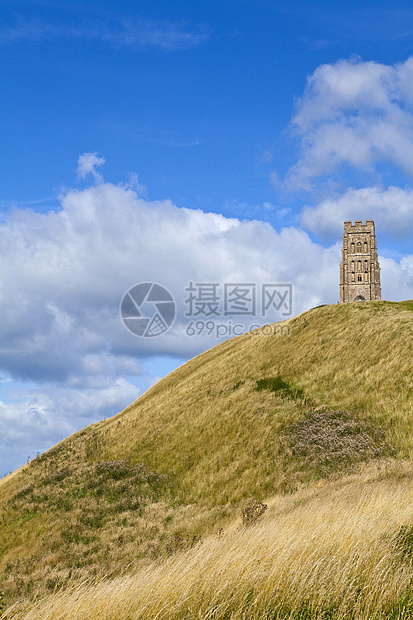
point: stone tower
(359, 267)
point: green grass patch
(280, 387)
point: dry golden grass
(218, 443)
(329, 549)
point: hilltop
(264, 417)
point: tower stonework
(359, 267)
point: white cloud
(397, 278)
(355, 114)
(391, 209)
(87, 164)
(63, 275)
(36, 419)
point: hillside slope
(258, 415)
(336, 550)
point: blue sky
(178, 142)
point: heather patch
(325, 441)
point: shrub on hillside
(252, 513)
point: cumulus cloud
(391, 209)
(34, 419)
(63, 275)
(87, 164)
(397, 278)
(355, 114)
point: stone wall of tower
(359, 267)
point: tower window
(359, 278)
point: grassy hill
(313, 416)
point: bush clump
(252, 513)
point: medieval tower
(359, 267)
